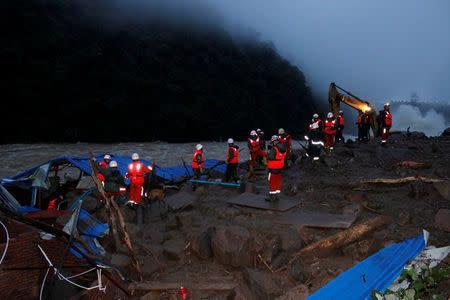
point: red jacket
(255, 145)
(235, 158)
(387, 118)
(330, 126)
(136, 171)
(195, 164)
(286, 140)
(99, 175)
(341, 120)
(278, 163)
(52, 204)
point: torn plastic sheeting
(430, 257)
(376, 272)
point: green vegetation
(74, 75)
(422, 285)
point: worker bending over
(232, 161)
(275, 157)
(114, 182)
(386, 123)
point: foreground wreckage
(225, 242)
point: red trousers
(384, 134)
(275, 183)
(329, 140)
(136, 192)
(255, 154)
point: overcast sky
(380, 50)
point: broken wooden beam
(399, 180)
(324, 247)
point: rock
(120, 260)
(174, 249)
(172, 223)
(297, 269)
(91, 204)
(201, 244)
(186, 219)
(418, 135)
(134, 230)
(149, 267)
(353, 209)
(272, 246)
(279, 261)
(261, 283)
(290, 240)
(443, 188)
(233, 245)
(443, 172)
(242, 292)
(298, 292)
(442, 220)
(446, 132)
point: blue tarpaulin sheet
(168, 173)
(376, 272)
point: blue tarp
(376, 272)
(168, 173)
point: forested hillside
(70, 75)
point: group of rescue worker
(275, 156)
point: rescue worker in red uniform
(286, 140)
(232, 161)
(275, 157)
(104, 164)
(319, 122)
(136, 172)
(53, 204)
(198, 162)
(340, 127)
(330, 131)
(254, 147)
(386, 123)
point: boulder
(172, 223)
(155, 236)
(149, 267)
(174, 249)
(179, 200)
(233, 245)
(91, 204)
(272, 246)
(201, 244)
(186, 219)
(442, 220)
(261, 283)
(297, 269)
(242, 292)
(128, 214)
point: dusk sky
(380, 50)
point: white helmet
(258, 130)
(135, 156)
(253, 132)
(107, 157)
(281, 131)
(386, 104)
(113, 164)
(199, 147)
(315, 116)
(330, 115)
(274, 138)
(230, 141)
(341, 112)
(261, 133)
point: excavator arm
(335, 98)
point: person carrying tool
(386, 123)
(114, 182)
(316, 119)
(330, 131)
(136, 172)
(275, 157)
(286, 140)
(340, 127)
(232, 161)
(255, 151)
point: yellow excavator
(335, 98)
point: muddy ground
(212, 242)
